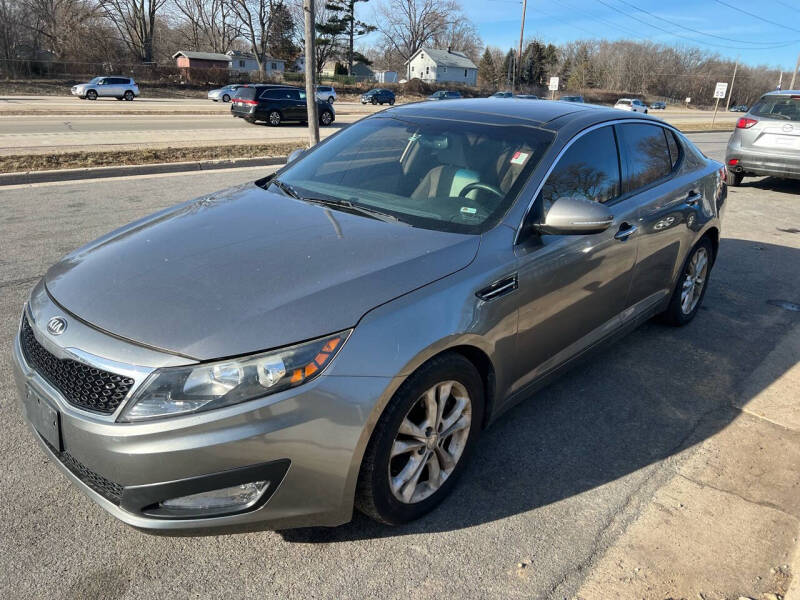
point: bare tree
(256, 19)
(210, 24)
(135, 20)
(460, 34)
(407, 25)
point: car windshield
(786, 108)
(96, 80)
(626, 102)
(437, 173)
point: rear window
(246, 93)
(786, 108)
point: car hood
(245, 270)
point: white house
(431, 64)
(245, 62)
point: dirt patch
(77, 160)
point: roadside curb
(29, 177)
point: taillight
(241, 101)
(745, 123)
(733, 162)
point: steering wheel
(478, 185)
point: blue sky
(561, 21)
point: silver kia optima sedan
(339, 333)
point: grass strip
(113, 158)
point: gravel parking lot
(553, 484)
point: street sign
(721, 90)
(553, 84)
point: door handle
(501, 287)
(625, 231)
(693, 198)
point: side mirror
(295, 154)
(576, 215)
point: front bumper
(760, 162)
(309, 440)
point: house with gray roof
(434, 65)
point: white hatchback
(632, 105)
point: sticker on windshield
(519, 158)
(468, 210)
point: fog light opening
(229, 499)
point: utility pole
(794, 75)
(780, 82)
(730, 89)
(311, 71)
(521, 35)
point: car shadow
(773, 184)
(654, 393)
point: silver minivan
(766, 140)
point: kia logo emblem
(56, 325)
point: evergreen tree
(487, 73)
(346, 9)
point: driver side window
(589, 168)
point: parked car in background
(276, 104)
(224, 94)
(502, 95)
(572, 99)
(121, 88)
(658, 105)
(326, 93)
(739, 108)
(633, 105)
(528, 96)
(339, 333)
(766, 140)
(444, 95)
(378, 96)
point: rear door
(574, 288)
(664, 182)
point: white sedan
(632, 105)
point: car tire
(680, 312)
(226, 98)
(380, 493)
(391, 102)
(331, 100)
(736, 179)
(129, 96)
(645, 111)
(374, 100)
(274, 118)
(91, 95)
(325, 118)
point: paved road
(38, 133)
(554, 482)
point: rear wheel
(422, 441)
(274, 118)
(326, 118)
(129, 96)
(226, 98)
(91, 95)
(692, 283)
(736, 179)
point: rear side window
(246, 93)
(785, 108)
(646, 152)
(674, 147)
(589, 168)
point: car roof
(783, 93)
(553, 114)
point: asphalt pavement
(552, 485)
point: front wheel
(326, 118)
(391, 102)
(274, 118)
(422, 441)
(645, 111)
(226, 98)
(374, 101)
(691, 286)
(331, 100)
(91, 95)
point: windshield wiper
(355, 208)
(286, 188)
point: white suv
(632, 105)
(121, 88)
(326, 93)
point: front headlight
(182, 390)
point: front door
(573, 288)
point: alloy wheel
(694, 278)
(430, 442)
(274, 118)
(325, 118)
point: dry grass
(75, 160)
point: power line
(635, 34)
(614, 8)
(703, 33)
(755, 16)
(787, 5)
